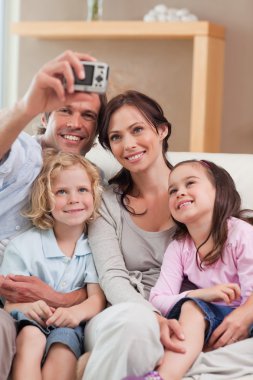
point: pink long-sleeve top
(180, 260)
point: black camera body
(96, 77)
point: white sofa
(240, 166)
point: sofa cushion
(238, 165)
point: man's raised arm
(18, 289)
(46, 93)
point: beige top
(128, 259)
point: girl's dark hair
(227, 204)
(153, 113)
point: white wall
(9, 45)
(1, 50)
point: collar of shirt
(52, 250)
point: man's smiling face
(72, 128)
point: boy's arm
(94, 303)
(74, 315)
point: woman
(128, 242)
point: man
(70, 124)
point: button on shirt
(36, 253)
(18, 169)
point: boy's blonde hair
(39, 210)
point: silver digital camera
(96, 77)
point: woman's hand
(223, 292)
(234, 327)
(171, 334)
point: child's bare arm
(223, 292)
(74, 315)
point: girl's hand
(39, 311)
(64, 317)
(171, 334)
(223, 292)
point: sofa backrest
(240, 167)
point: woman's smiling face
(134, 142)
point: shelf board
(66, 30)
(207, 70)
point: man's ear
(162, 131)
(43, 120)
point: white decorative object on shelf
(162, 13)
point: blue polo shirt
(36, 253)
(18, 169)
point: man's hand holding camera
(53, 85)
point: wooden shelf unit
(208, 61)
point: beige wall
(161, 69)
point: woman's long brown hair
(153, 113)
